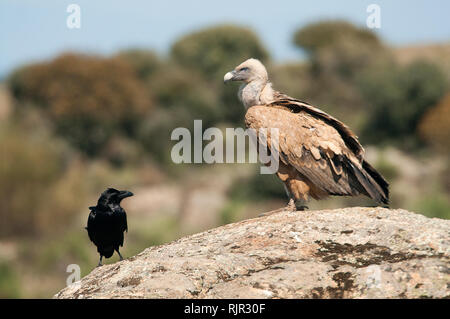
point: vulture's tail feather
(373, 183)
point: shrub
(434, 127)
(340, 48)
(145, 63)
(340, 53)
(215, 50)
(318, 35)
(39, 190)
(259, 187)
(398, 98)
(87, 97)
(179, 90)
(9, 281)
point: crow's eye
(243, 69)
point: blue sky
(32, 30)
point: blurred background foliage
(74, 125)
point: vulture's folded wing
(316, 149)
(297, 106)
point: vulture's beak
(125, 194)
(229, 76)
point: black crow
(107, 222)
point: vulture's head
(248, 71)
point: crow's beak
(229, 76)
(125, 194)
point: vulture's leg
(291, 205)
(300, 205)
(100, 261)
(121, 258)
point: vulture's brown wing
(316, 149)
(296, 106)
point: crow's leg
(100, 261)
(121, 258)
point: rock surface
(344, 253)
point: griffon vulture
(318, 154)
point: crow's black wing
(122, 216)
(92, 226)
(120, 220)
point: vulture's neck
(256, 93)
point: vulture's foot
(291, 207)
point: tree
(434, 126)
(340, 53)
(216, 50)
(399, 97)
(145, 63)
(339, 48)
(40, 189)
(317, 36)
(87, 97)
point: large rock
(343, 253)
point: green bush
(155, 133)
(434, 127)
(434, 205)
(179, 90)
(398, 98)
(9, 281)
(215, 50)
(144, 63)
(322, 34)
(340, 48)
(87, 98)
(339, 53)
(39, 189)
(259, 187)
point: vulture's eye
(243, 69)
